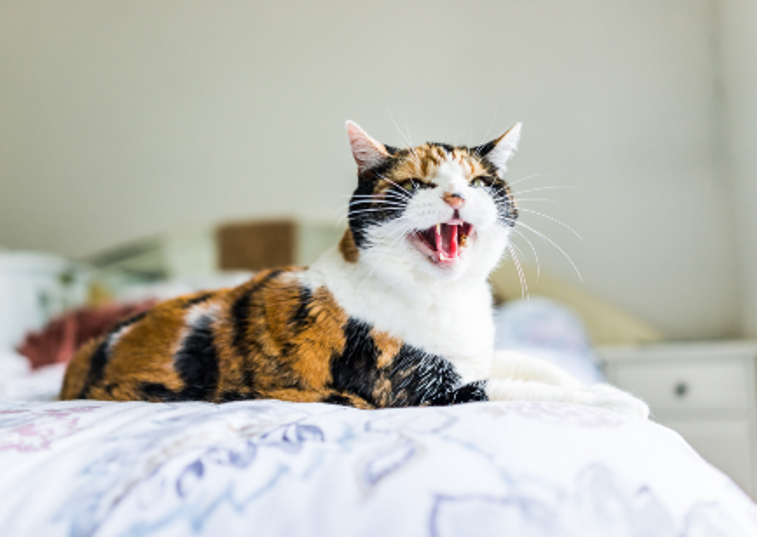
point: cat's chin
(445, 244)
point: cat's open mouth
(443, 242)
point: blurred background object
(34, 287)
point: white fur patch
(451, 319)
(505, 148)
(518, 377)
(115, 337)
(203, 309)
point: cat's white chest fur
(454, 321)
(451, 320)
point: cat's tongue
(443, 243)
(446, 241)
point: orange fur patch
(347, 248)
(387, 346)
(422, 162)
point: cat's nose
(454, 199)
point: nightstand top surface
(681, 350)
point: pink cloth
(60, 338)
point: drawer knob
(681, 389)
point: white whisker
(517, 249)
(378, 203)
(408, 142)
(491, 126)
(355, 212)
(521, 275)
(532, 176)
(553, 243)
(563, 224)
(533, 249)
(372, 210)
(538, 189)
(389, 205)
(546, 200)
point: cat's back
(143, 355)
(215, 346)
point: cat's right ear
(367, 152)
(499, 151)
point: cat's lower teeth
(443, 242)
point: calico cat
(398, 314)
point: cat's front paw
(611, 398)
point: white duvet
(260, 468)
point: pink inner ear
(366, 151)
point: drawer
(724, 443)
(679, 384)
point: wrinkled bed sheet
(81, 468)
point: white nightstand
(705, 391)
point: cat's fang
(443, 243)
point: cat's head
(430, 212)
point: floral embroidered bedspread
(85, 468)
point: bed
(88, 468)
(81, 468)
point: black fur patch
(155, 391)
(361, 219)
(301, 315)
(467, 393)
(447, 147)
(416, 377)
(483, 149)
(372, 175)
(248, 378)
(337, 399)
(101, 356)
(196, 362)
(130, 321)
(507, 212)
(355, 370)
(97, 363)
(420, 378)
(240, 313)
(197, 300)
(233, 395)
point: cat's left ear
(368, 153)
(499, 151)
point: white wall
(738, 30)
(118, 120)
